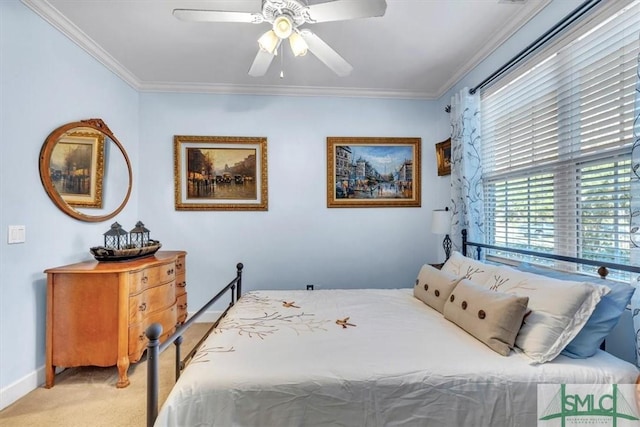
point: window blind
(557, 136)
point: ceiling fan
(286, 17)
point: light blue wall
(45, 81)
(299, 240)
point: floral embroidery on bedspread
(203, 352)
(344, 322)
(271, 321)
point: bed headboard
(603, 267)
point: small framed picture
(220, 173)
(443, 157)
(373, 172)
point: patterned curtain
(466, 169)
(635, 215)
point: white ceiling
(418, 49)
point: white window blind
(557, 136)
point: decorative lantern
(116, 237)
(139, 236)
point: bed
(367, 357)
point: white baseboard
(21, 387)
(35, 379)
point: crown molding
(281, 90)
(529, 9)
(50, 14)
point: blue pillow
(604, 317)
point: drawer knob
(182, 306)
(182, 285)
(142, 336)
(142, 306)
(178, 265)
(145, 279)
(170, 272)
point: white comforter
(361, 358)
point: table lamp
(441, 224)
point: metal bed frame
(154, 347)
(153, 332)
(603, 267)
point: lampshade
(298, 45)
(269, 41)
(441, 222)
(283, 26)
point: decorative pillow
(433, 286)
(492, 317)
(559, 309)
(468, 268)
(604, 317)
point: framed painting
(220, 173)
(373, 172)
(77, 168)
(443, 157)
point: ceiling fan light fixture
(298, 46)
(269, 41)
(283, 26)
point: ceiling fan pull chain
(281, 62)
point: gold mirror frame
(45, 170)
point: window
(557, 136)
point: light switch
(16, 234)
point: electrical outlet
(309, 287)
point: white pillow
(468, 268)
(559, 309)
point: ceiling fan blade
(340, 10)
(196, 15)
(326, 54)
(261, 63)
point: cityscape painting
(77, 168)
(373, 172)
(220, 173)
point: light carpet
(87, 396)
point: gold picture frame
(76, 168)
(225, 173)
(373, 172)
(443, 157)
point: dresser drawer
(151, 300)
(181, 285)
(137, 338)
(152, 276)
(181, 266)
(182, 308)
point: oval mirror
(86, 171)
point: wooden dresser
(97, 312)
